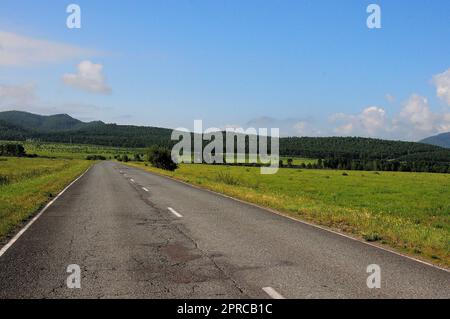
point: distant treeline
(345, 152)
(384, 165)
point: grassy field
(298, 160)
(407, 211)
(74, 151)
(26, 184)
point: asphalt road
(115, 223)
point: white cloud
(18, 50)
(442, 82)
(370, 122)
(415, 121)
(17, 94)
(417, 113)
(89, 78)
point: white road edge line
(145, 189)
(24, 229)
(173, 211)
(273, 293)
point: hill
(442, 140)
(359, 148)
(62, 128)
(43, 123)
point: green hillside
(20, 126)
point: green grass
(74, 151)
(31, 182)
(408, 211)
(298, 160)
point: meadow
(73, 151)
(407, 211)
(27, 184)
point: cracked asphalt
(129, 245)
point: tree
(12, 150)
(289, 162)
(161, 157)
(137, 158)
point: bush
(161, 157)
(372, 237)
(4, 180)
(12, 150)
(95, 158)
(290, 161)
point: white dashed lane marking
(273, 293)
(173, 211)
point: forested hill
(62, 128)
(19, 126)
(42, 123)
(361, 148)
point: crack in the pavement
(211, 258)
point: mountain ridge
(442, 140)
(62, 128)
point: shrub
(4, 180)
(95, 158)
(161, 157)
(12, 150)
(290, 162)
(372, 237)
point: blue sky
(308, 67)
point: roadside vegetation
(407, 211)
(160, 157)
(72, 151)
(26, 184)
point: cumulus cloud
(418, 114)
(89, 78)
(415, 121)
(18, 50)
(370, 122)
(442, 82)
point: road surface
(139, 235)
